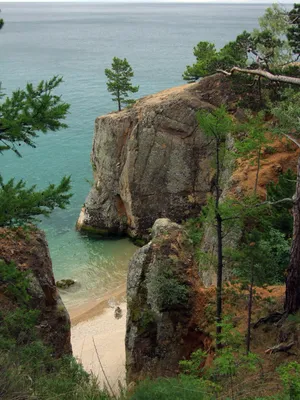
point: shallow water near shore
(78, 41)
(100, 266)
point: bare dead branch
(274, 203)
(292, 139)
(264, 74)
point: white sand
(109, 336)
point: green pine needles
(23, 116)
(119, 82)
(29, 111)
(209, 60)
(294, 29)
(20, 204)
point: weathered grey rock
(152, 161)
(164, 300)
(28, 250)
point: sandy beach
(95, 325)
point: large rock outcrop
(28, 250)
(152, 160)
(165, 302)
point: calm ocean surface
(79, 41)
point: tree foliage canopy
(30, 111)
(293, 34)
(273, 45)
(20, 204)
(208, 59)
(23, 116)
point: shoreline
(95, 307)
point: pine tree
(209, 60)
(216, 125)
(119, 81)
(20, 205)
(22, 116)
(271, 48)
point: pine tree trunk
(119, 100)
(249, 313)
(220, 248)
(219, 278)
(260, 91)
(292, 295)
(257, 171)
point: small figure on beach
(118, 313)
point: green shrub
(290, 376)
(167, 289)
(28, 370)
(22, 379)
(194, 227)
(19, 325)
(182, 388)
(192, 366)
(16, 282)
(270, 150)
(14, 383)
(230, 359)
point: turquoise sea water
(78, 41)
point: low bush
(28, 370)
(182, 388)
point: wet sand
(95, 325)
(96, 307)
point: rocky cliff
(152, 160)
(29, 251)
(165, 302)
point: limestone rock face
(165, 300)
(29, 251)
(152, 161)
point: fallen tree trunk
(272, 319)
(280, 348)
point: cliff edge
(152, 161)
